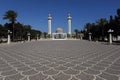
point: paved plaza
(60, 60)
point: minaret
(49, 23)
(69, 23)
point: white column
(90, 36)
(110, 35)
(8, 39)
(49, 23)
(28, 38)
(69, 24)
(110, 38)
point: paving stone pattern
(60, 60)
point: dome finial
(68, 14)
(49, 15)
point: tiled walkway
(60, 60)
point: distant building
(59, 34)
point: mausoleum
(59, 33)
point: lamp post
(28, 37)
(110, 31)
(9, 39)
(90, 36)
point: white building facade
(59, 34)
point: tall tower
(69, 23)
(49, 23)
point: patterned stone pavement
(60, 60)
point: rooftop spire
(68, 14)
(49, 15)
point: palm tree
(11, 16)
(88, 26)
(118, 12)
(101, 23)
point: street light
(90, 36)
(9, 39)
(110, 31)
(28, 34)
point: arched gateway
(59, 34)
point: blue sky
(35, 12)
